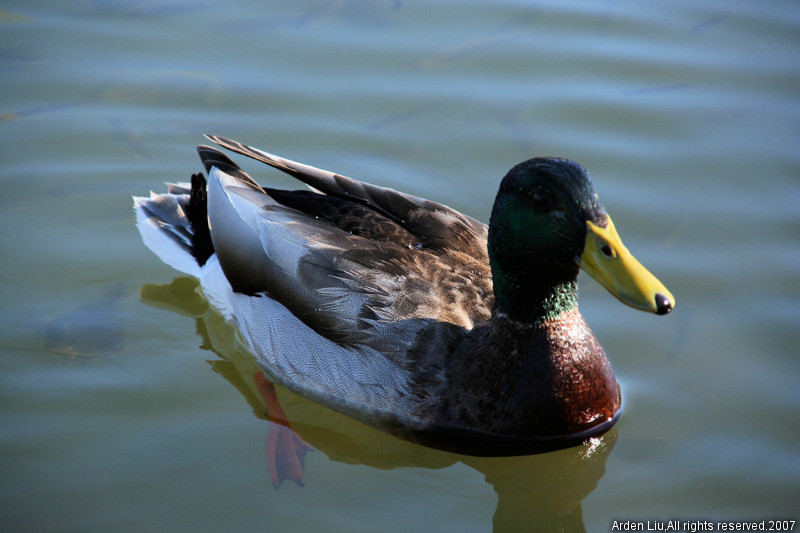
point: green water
(124, 403)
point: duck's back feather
(349, 258)
(433, 224)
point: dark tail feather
(197, 213)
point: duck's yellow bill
(607, 260)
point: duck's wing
(347, 285)
(434, 225)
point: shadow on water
(545, 490)
(93, 331)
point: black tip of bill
(663, 305)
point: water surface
(126, 403)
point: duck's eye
(540, 200)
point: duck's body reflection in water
(537, 492)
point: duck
(406, 314)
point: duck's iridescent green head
(548, 222)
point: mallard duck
(404, 313)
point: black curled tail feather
(197, 214)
